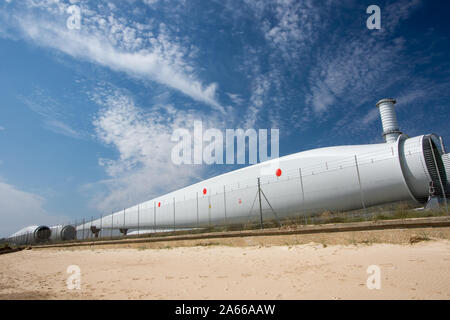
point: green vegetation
(395, 211)
(207, 244)
(6, 248)
(419, 238)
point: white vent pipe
(391, 131)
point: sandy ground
(305, 271)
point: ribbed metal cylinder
(42, 233)
(391, 130)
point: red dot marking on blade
(278, 173)
(159, 204)
(204, 191)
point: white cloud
(356, 69)
(290, 29)
(354, 72)
(59, 127)
(412, 95)
(295, 27)
(235, 98)
(371, 116)
(118, 44)
(150, 2)
(292, 26)
(143, 167)
(141, 137)
(354, 75)
(20, 209)
(351, 68)
(2, 128)
(396, 12)
(52, 113)
(260, 90)
(418, 91)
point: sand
(305, 271)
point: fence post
(260, 206)
(124, 233)
(76, 231)
(225, 204)
(198, 221)
(209, 210)
(303, 193)
(301, 183)
(360, 185)
(154, 215)
(112, 224)
(83, 228)
(101, 226)
(91, 234)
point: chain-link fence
(317, 194)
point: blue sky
(86, 115)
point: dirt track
(285, 267)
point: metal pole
(442, 145)
(360, 185)
(154, 215)
(225, 204)
(101, 224)
(303, 194)
(209, 210)
(174, 224)
(124, 234)
(271, 208)
(83, 229)
(439, 175)
(198, 221)
(138, 223)
(112, 223)
(303, 190)
(301, 183)
(260, 206)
